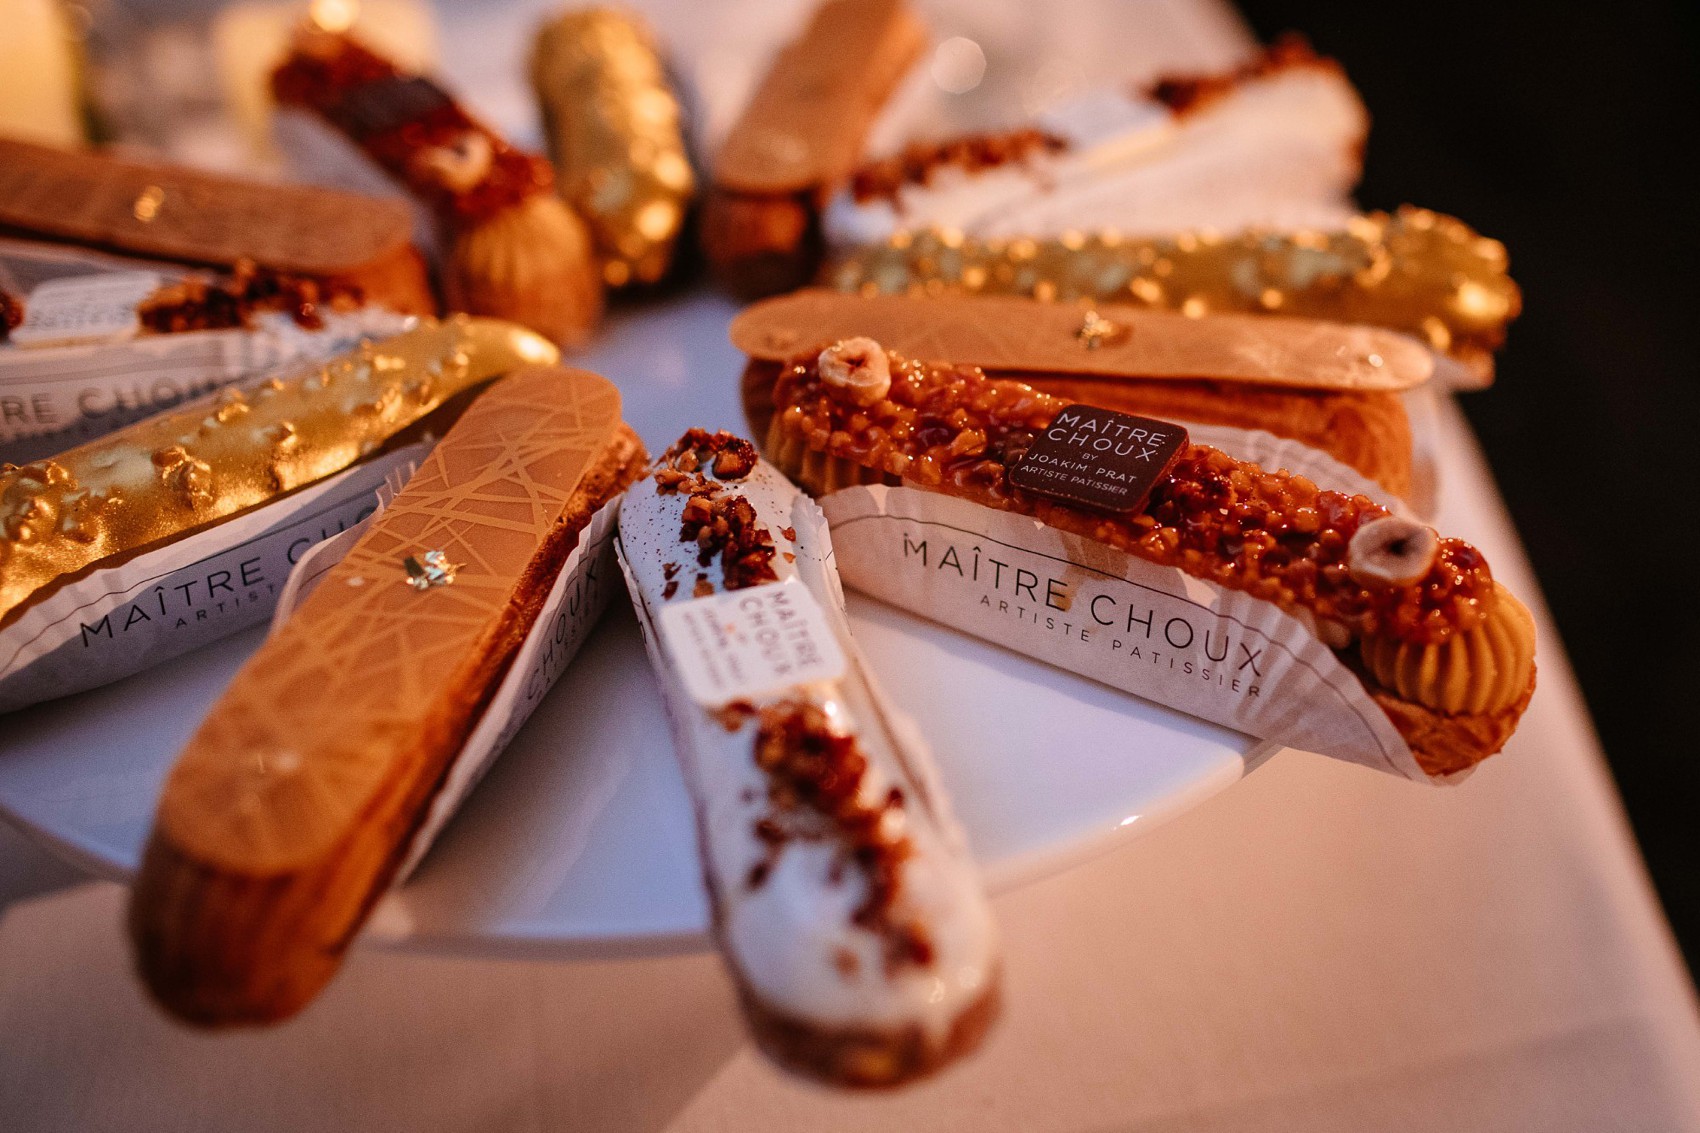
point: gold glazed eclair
(614, 132)
(1414, 271)
(1444, 649)
(181, 470)
(1330, 386)
(296, 801)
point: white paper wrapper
(571, 610)
(53, 397)
(1083, 606)
(160, 604)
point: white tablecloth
(1319, 948)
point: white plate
(579, 841)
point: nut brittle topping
(1273, 535)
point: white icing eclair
(1275, 143)
(843, 897)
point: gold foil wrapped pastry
(178, 471)
(614, 132)
(1414, 271)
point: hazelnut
(858, 367)
(461, 164)
(1391, 551)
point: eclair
(186, 469)
(843, 899)
(298, 239)
(1414, 271)
(1274, 142)
(616, 137)
(1445, 650)
(297, 799)
(798, 140)
(1332, 387)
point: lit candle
(251, 38)
(38, 73)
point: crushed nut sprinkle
(918, 162)
(720, 524)
(728, 456)
(194, 304)
(1273, 535)
(734, 715)
(815, 775)
(1184, 94)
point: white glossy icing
(787, 936)
(1276, 151)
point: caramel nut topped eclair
(1440, 645)
(184, 469)
(295, 802)
(843, 899)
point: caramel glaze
(1275, 536)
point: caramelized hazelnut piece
(857, 367)
(460, 165)
(1391, 551)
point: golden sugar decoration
(1095, 331)
(1414, 271)
(430, 569)
(613, 125)
(148, 203)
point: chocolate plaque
(1099, 458)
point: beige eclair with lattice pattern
(295, 803)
